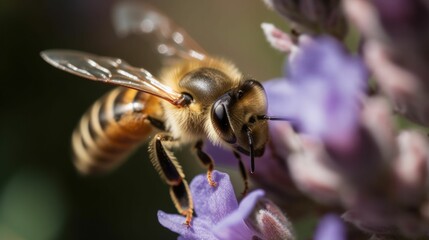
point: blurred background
(41, 195)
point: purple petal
(331, 227)
(248, 203)
(328, 85)
(200, 228)
(233, 226)
(213, 203)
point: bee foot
(188, 214)
(212, 183)
(187, 224)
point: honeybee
(197, 97)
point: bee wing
(110, 70)
(171, 40)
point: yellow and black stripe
(112, 128)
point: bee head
(236, 118)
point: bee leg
(171, 172)
(207, 161)
(243, 173)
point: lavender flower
(324, 88)
(312, 16)
(328, 83)
(219, 216)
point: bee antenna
(273, 118)
(252, 151)
(293, 123)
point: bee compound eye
(221, 123)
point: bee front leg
(243, 173)
(171, 172)
(207, 161)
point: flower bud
(312, 16)
(270, 221)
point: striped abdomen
(111, 128)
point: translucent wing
(110, 70)
(171, 40)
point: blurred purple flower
(219, 216)
(323, 96)
(331, 227)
